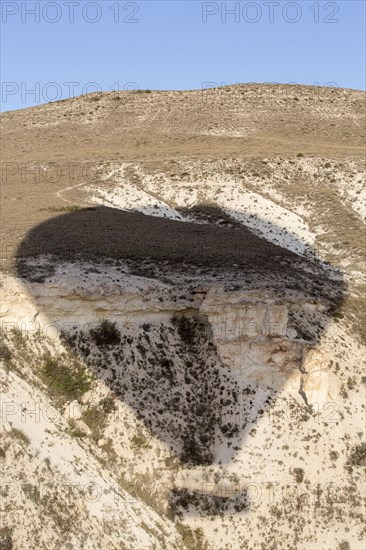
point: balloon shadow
(176, 371)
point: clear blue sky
(175, 44)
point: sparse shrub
(68, 339)
(62, 379)
(5, 353)
(298, 473)
(143, 487)
(107, 405)
(6, 539)
(106, 334)
(186, 329)
(96, 415)
(18, 338)
(333, 455)
(74, 431)
(195, 451)
(32, 492)
(20, 436)
(357, 457)
(206, 503)
(61, 209)
(139, 441)
(35, 273)
(229, 430)
(193, 539)
(276, 512)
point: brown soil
(243, 121)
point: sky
(58, 49)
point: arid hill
(183, 286)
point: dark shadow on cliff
(151, 377)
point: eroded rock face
(315, 383)
(251, 329)
(252, 334)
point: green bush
(139, 441)
(96, 415)
(193, 539)
(63, 380)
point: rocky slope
(182, 309)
